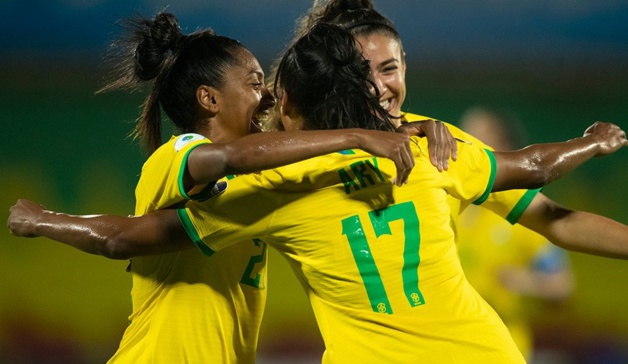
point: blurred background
(558, 66)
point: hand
(23, 218)
(440, 143)
(610, 137)
(394, 146)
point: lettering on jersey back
(361, 174)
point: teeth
(261, 118)
(385, 104)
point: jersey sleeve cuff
(188, 226)
(491, 180)
(522, 205)
(205, 192)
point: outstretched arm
(540, 164)
(267, 150)
(114, 237)
(576, 230)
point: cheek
(398, 85)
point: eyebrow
(387, 62)
(257, 73)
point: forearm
(267, 150)
(593, 234)
(114, 237)
(577, 230)
(539, 164)
(89, 233)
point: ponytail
(155, 50)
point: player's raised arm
(539, 164)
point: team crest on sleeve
(186, 139)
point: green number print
(380, 221)
(255, 259)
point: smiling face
(388, 69)
(243, 99)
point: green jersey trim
(491, 180)
(189, 229)
(522, 205)
(205, 192)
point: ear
(403, 60)
(208, 99)
(283, 103)
(289, 117)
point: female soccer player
(378, 261)
(187, 307)
(381, 44)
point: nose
(268, 100)
(379, 83)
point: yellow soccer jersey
(489, 244)
(384, 280)
(188, 307)
(507, 204)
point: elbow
(540, 174)
(116, 248)
(540, 178)
(229, 161)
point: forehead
(248, 64)
(379, 46)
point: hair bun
(357, 4)
(156, 38)
(165, 31)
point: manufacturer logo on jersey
(186, 139)
(219, 188)
(216, 190)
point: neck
(215, 133)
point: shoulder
(185, 140)
(455, 131)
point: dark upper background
(558, 66)
(533, 31)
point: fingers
(441, 144)
(408, 161)
(12, 221)
(610, 137)
(22, 218)
(404, 161)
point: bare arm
(114, 237)
(576, 230)
(261, 151)
(118, 237)
(540, 164)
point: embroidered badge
(186, 139)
